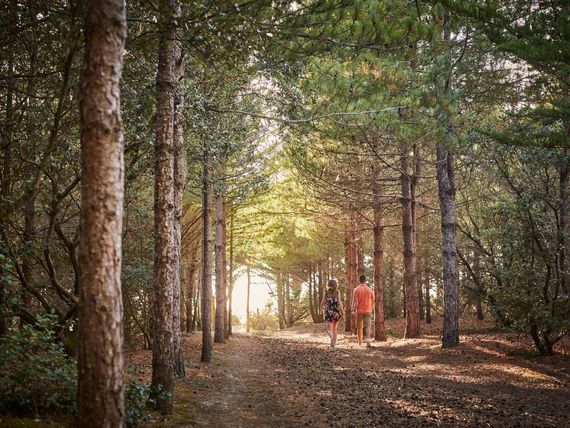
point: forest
(163, 161)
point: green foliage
(264, 320)
(137, 401)
(36, 376)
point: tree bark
(164, 213)
(411, 291)
(564, 250)
(247, 312)
(220, 333)
(428, 298)
(379, 330)
(28, 238)
(100, 395)
(180, 165)
(446, 187)
(206, 257)
(288, 301)
(231, 273)
(478, 284)
(280, 303)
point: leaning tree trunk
(220, 333)
(164, 238)
(446, 187)
(411, 291)
(100, 395)
(379, 330)
(206, 302)
(179, 183)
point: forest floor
(292, 378)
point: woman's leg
(335, 332)
(329, 329)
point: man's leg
(360, 322)
(367, 318)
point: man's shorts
(365, 319)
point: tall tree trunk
(231, 273)
(428, 298)
(100, 395)
(312, 296)
(189, 297)
(411, 298)
(379, 330)
(478, 283)
(414, 184)
(280, 303)
(288, 300)
(225, 271)
(164, 216)
(206, 302)
(564, 251)
(348, 279)
(179, 184)
(220, 333)
(351, 271)
(446, 187)
(359, 254)
(247, 312)
(28, 237)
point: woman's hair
(333, 288)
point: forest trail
(292, 378)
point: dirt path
(293, 378)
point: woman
(332, 308)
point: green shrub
(137, 395)
(36, 375)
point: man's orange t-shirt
(364, 299)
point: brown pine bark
(414, 184)
(347, 291)
(220, 334)
(206, 301)
(379, 330)
(478, 284)
(100, 395)
(179, 184)
(226, 320)
(446, 187)
(247, 313)
(564, 227)
(411, 291)
(428, 298)
(280, 301)
(351, 271)
(165, 266)
(312, 299)
(288, 301)
(231, 273)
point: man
(362, 305)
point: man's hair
(362, 279)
